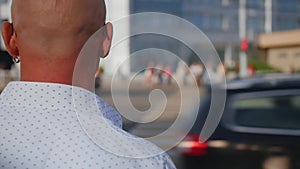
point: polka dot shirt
(53, 126)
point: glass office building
(148, 41)
(219, 20)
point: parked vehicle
(260, 128)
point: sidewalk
(139, 93)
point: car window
(279, 112)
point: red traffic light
(244, 44)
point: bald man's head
(58, 27)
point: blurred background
(253, 38)
(248, 34)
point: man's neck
(64, 71)
(51, 72)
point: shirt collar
(56, 96)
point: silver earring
(17, 59)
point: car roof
(266, 82)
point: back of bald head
(56, 27)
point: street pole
(268, 16)
(243, 34)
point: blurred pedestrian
(49, 119)
(291, 69)
(149, 74)
(159, 73)
(251, 70)
(168, 74)
(209, 75)
(181, 73)
(221, 73)
(197, 72)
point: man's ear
(108, 32)
(9, 38)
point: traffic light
(244, 44)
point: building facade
(281, 50)
(220, 20)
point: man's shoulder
(114, 139)
(123, 146)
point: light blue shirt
(52, 126)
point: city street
(139, 94)
(213, 83)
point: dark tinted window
(278, 112)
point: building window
(234, 26)
(197, 20)
(225, 2)
(209, 2)
(213, 22)
(255, 4)
(285, 23)
(290, 6)
(255, 23)
(225, 23)
(297, 56)
(234, 3)
(282, 56)
(3, 1)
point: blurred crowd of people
(200, 73)
(184, 74)
(158, 74)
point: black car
(259, 129)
